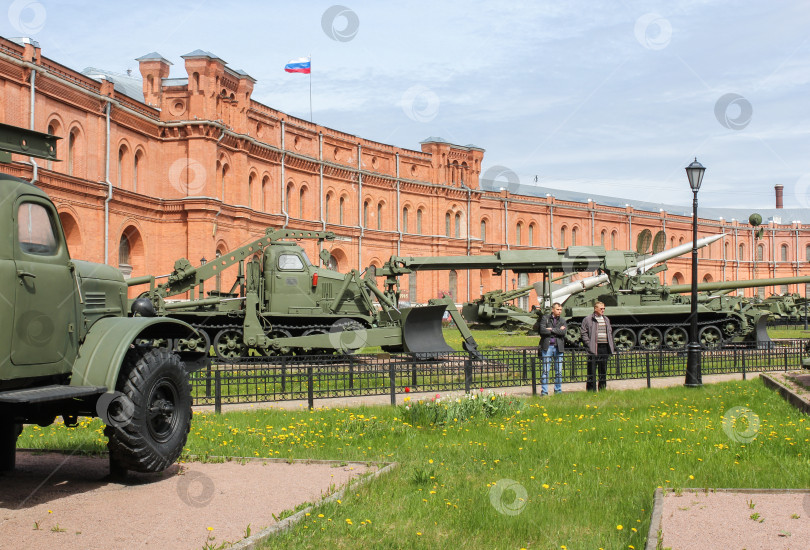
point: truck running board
(47, 394)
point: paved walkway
(523, 391)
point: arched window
(365, 214)
(124, 252)
(341, 209)
(71, 153)
(52, 128)
(518, 231)
(136, 165)
(302, 201)
(484, 235)
(326, 207)
(379, 215)
(225, 170)
(760, 252)
(531, 234)
(419, 222)
(447, 224)
(405, 219)
(614, 237)
(741, 252)
(807, 252)
(457, 227)
(251, 177)
(725, 250)
(122, 160)
(574, 234)
(288, 199)
(563, 231)
(783, 252)
(454, 285)
(602, 237)
(265, 190)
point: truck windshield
(35, 230)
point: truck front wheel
(153, 438)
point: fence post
(524, 364)
(351, 372)
(742, 352)
(393, 382)
(786, 359)
(208, 380)
(468, 373)
(283, 374)
(310, 388)
(534, 374)
(647, 355)
(413, 374)
(218, 391)
(743, 363)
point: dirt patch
(752, 520)
(61, 501)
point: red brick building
(194, 167)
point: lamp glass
(695, 174)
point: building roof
(201, 53)
(154, 56)
(123, 83)
(783, 216)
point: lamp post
(694, 378)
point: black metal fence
(316, 377)
(787, 324)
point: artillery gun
(493, 309)
(785, 308)
(281, 303)
(647, 314)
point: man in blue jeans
(552, 343)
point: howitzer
(493, 310)
(650, 315)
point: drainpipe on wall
(320, 158)
(551, 225)
(360, 206)
(469, 243)
(737, 255)
(725, 260)
(283, 185)
(506, 240)
(34, 165)
(399, 212)
(109, 186)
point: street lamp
(694, 379)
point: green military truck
(70, 347)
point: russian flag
(299, 65)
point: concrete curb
(254, 541)
(658, 506)
(801, 403)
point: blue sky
(611, 98)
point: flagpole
(310, 87)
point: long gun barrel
(731, 285)
(561, 294)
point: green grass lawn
(586, 465)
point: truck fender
(102, 354)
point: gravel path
(722, 521)
(61, 501)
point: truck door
(292, 283)
(44, 295)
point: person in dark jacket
(597, 336)
(552, 343)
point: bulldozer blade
(422, 330)
(763, 340)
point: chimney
(779, 189)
